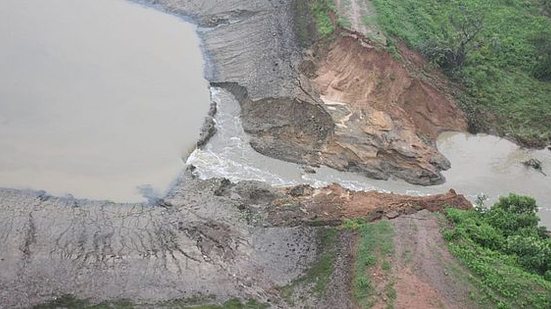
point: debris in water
(152, 196)
(535, 164)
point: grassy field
(502, 92)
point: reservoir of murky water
(97, 97)
(481, 164)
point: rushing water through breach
(97, 97)
(481, 164)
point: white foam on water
(481, 164)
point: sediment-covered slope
(207, 237)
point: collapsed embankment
(351, 106)
(214, 238)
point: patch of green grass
(499, 69)
(375, 248)
(502, 282)
(70, 302)
(322, 10)
(390, 293)
(319, 274)
(506, 252)
(230, 304)
(344, 22)
(312, 20)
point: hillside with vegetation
(499, 51)
(507, 252)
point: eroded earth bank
(342, 103)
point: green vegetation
(546, 4)
(499, 50)
(70, 302)
(508, 254)
(322, 10)
(318, 276)
(375, 248)
(313, 20)
(230, 304)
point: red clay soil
(333, 204)
(356, 73)
(387, 112)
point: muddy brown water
(97, 97)
(481, 164)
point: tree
(465, 23)
(546, 6)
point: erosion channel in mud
(481, 164)
(97, 97)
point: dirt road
(360, 16)
(425, 273)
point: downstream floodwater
(481, 164)
(97, 97)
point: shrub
(509, 227)
(484, 234)
(546, 4)
(533, 253)
(514, 214)
(507, 252)
(322, 10)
